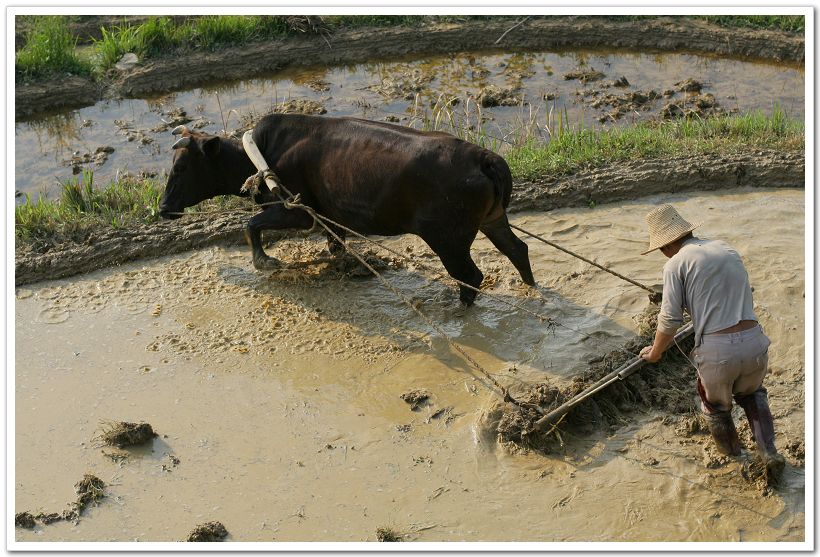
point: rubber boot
(723, 431)
(756, 407)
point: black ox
(375, 178)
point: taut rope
(582, 258)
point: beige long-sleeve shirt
(708, 280)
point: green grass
(791, 23)
(83, 209)
(49, 49)
(571, 149)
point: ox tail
(496, 169)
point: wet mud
(282, 398)
(583, 189)
(345, 47)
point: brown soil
(345, 47)
(616, 183)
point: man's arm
(670, 316)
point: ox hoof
(266, 263)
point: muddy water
(382, 90)
(281, 395)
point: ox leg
(275, 217)
(455, 255)
(503, 238)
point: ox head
(195, 175)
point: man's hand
(654, 353)
(649, 355)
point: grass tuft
(49, 49)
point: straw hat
(665, 226)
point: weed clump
(125, 434)
(89, 491)
(209, 532)
(388, 534)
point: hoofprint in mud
(313, 440)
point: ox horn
(182, 142)
(179, 129)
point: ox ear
(211, 146)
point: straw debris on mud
(213, 531)
(124, 434)
(90, 490)
(24, 520)
(666, 386)
(388, 534)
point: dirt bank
(627, 181)
(346, 47)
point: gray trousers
(730, 364)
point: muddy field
(311, 405)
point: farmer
(707, 279)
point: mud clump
(406, 86)
(496, 96)
(24, 520)
(797, 450)
(209, 532)
(299, 106)
(416, 398)
(632, 101)
(700, 106)
(666, 385)
(689, 86)
(764, 471)
(125, 434)
(98, 157)
(387, 534)
(585, 76)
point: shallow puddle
(280, 395)
(44, 147)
